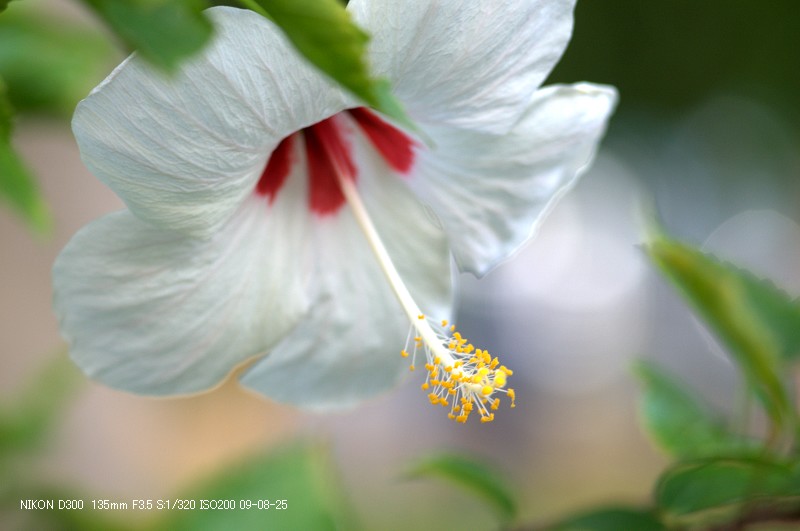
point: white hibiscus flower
(260, 196)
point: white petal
(466, 63)
(490, 192)
(156, 312)
(184, 152)
(348, 348)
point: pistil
(459, 375)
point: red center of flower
(328, 151)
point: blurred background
(706, 131)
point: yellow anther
(496, 404)
(500, 379)
(437, 360)
(417, 338)
(476, 378)
(435, 382)
(425, 386)
(488, 418)
(461, 418)
(487, 390)
(483, 371)
(404, 353)
(451, 391)
(429, 366)
(411, 367)
(433, 398)
(467, 407)
(458, 364)
(421, 317)
(506, 370)
(451, 416)
(457, 335)
(512, 396)
(444, 322)
(448, 369)
(495, 362)
(452, 328)
(452, 345)
(443, 401)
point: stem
(415, 315)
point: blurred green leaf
(4, 5)
(17, 185)
(715, 491)
(748, 315)
(678, 423)
(26, 423)
(301, 475)
(611, 519)
(471, 474)
(323, 31)
(49, 63)
(165, 32)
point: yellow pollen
(459, 376)
(411, 367)
(421, 317)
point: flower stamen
(458, 375)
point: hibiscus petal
(465, 63)
(490, 192)
(184, 152)
(156, 312)
(348, 347)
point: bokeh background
(706, 132)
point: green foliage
(471, 474)
(301, 475)
(611, 519)
(164, 32)
(718, 490)
(679, 423)
(17, 185)
(25, 424)
(756, 322)
(324, 33)
(49, 64)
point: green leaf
(611, 519)
(678, 423)
(740, 310)
(48, 63)
(17, 185)
(25, 424)
(715, 491)
(301, 475)
(471, 474)
(4, 5)
(324, 32)
(165, 32)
